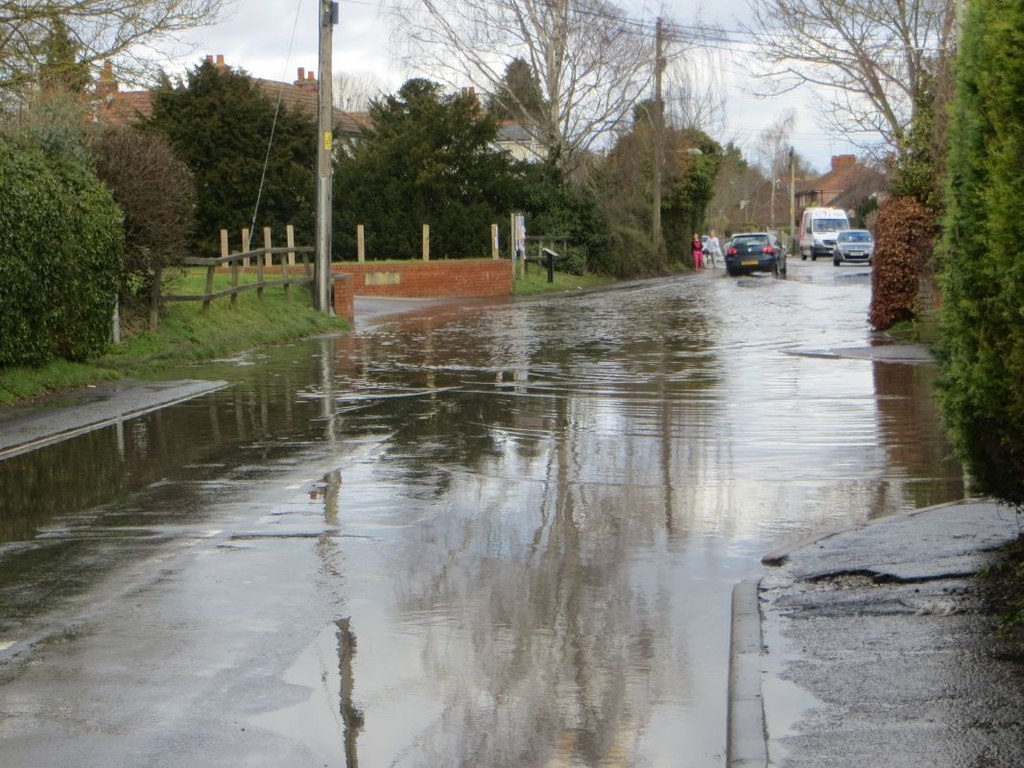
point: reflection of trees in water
(913, 435)
(543, 635)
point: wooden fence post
(426, 242)
(154, 300)
(494, 241)
(266, 261)
(360, 243)
(234, 268)
(211, 269)
(284, 267)
(289, 233)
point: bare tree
(354, 90)
(591, 62)
(695, 77)
(122, 30)
(870, 55)
(774, 144)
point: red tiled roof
(116, 107)
(847, 176)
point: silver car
(853, 246)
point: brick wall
(343, 299)
(429, 279)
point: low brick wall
(429, 279)
(342, 298)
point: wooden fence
(237, 263)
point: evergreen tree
(61, 69)
(428, 159)
(520, 96)
(982, 270)
(219, 123)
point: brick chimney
(306, 80)
(843, 161)
(106, 85)
(220, 61)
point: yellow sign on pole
(327, 141)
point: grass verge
(536, 281)
(185, 334)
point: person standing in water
(697, 252)
(713, 248)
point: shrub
(905, 235)
(61, 246)
(154, 190)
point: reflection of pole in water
(327, 386)
(332, 493)
(350, 715)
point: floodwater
(473, 534)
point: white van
(818, 228)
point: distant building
(845, 186)
(116, 107)
(514, 139)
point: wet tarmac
(486, 533)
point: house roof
(122, 107)
(848, 182)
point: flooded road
(475, 534)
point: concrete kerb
(93, 408)
(746, 736)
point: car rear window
(855, 237)
(750, 240)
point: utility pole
(658, 124)
(328, 16)
(792, 197)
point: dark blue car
(755, 252)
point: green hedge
(982, 253)
(61, 248)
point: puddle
(785, 702)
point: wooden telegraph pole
(328, 16)
(657, 125)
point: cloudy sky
(273, 38)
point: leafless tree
(591, 62)
(121, 30)
(354, 90)
(774, 144)
(156, 193)
(694, 78)
(870, 55)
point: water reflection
(533, 511)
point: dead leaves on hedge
(904, 241)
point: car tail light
(731, 251)
(768, 250)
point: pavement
(871, 646)
(59, 417)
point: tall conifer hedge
(982, 252)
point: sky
(272, 38)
